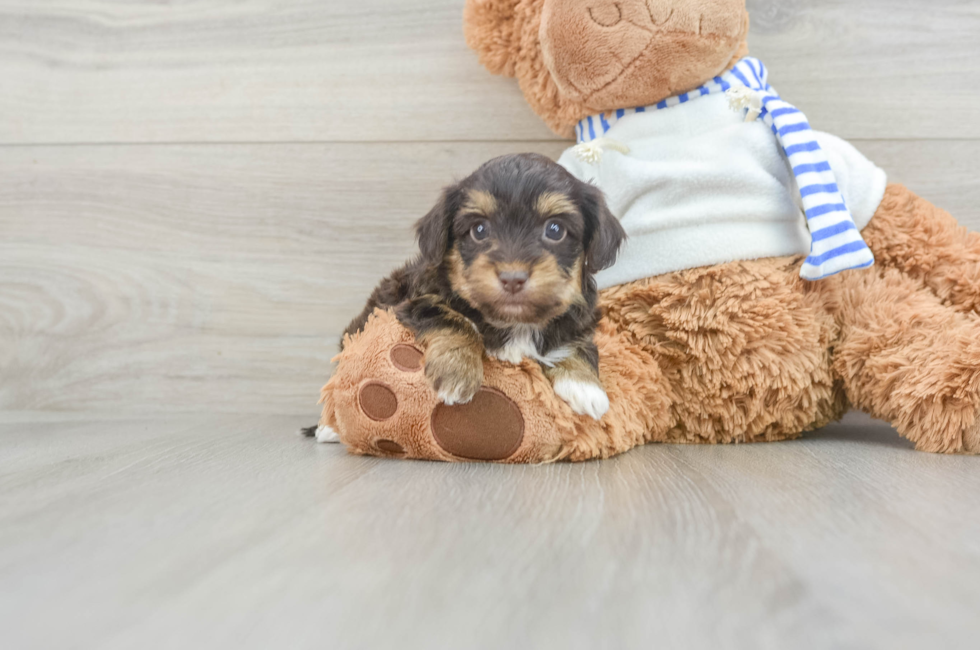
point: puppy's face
(519, 238)
(518, 259)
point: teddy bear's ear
(491, 28)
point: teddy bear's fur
(738, 352)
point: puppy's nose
(513, 281)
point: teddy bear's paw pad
(377, 401)
(406, 358)
(390, 447)
(490, 427)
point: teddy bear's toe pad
(406, 358)
(390, 446)
(490, 427)
(377, 401)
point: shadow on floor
(861, 428)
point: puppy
(506, 265)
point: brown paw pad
(406, 358)
(390, 447)
(377, 401)
(490, 427)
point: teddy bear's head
(575, 58)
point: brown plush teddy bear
(710, 334)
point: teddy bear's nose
(606, 14)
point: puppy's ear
(604, 234)
(434, 230)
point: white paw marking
(585, 398)
(326, 434)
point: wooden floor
(196, 197)
(231, 531)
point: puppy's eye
(480, 230)
(554, 231)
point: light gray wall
(195, 198)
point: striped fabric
(836, 244)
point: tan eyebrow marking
(480, 202)
(552, 203)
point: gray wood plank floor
(231, 531)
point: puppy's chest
(525, 343)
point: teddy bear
(773, 278)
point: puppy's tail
(308, 432)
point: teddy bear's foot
(910, 359)
(489, 427)
(380, 403)
(965, 444)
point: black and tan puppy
(506, 265)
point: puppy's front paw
(455, 373)
(585, 397)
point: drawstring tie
(591, 152)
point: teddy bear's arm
(926, 243)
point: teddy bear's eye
(606, 14)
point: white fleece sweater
(701, 186)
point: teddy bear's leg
(379, 403)
(744, 349)
(926, 243)
(910, 359)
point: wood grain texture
(229, 531)
(391, 70)
(219, 277)
(202, 277)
